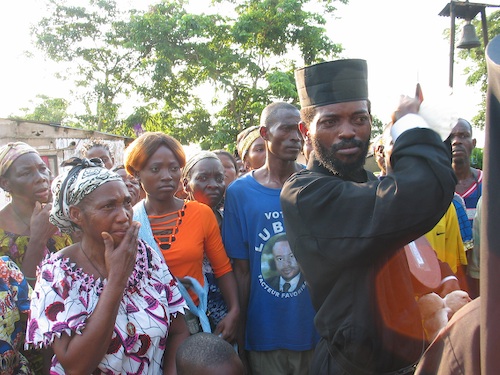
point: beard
(326, 156)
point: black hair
(203, 350)
(467, 123)
(229, 155)
(272, 110)
(92, 143)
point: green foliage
(53, 110)
(282, 85)
(200, 77)
(273, 27)
(91, 38)
(476, 158)
(377, 127)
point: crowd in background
(160, 263)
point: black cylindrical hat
(332, 82)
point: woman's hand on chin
(120, 260)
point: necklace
(28, 225)
(92, 263)
(130, 327)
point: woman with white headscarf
(108, 304)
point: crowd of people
(243, 264)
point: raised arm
(40, 233)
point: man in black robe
(347, 229)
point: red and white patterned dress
(65, 297)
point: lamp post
(467, 11)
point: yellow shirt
(446, 240)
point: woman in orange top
(183, 231)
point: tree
(90, 39)
(476, 158)
(201, 77)
(246, 60)
(53, 110)
(377, 127)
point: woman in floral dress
(108, 304)
(14, 302)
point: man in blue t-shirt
(278, 328)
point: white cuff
(448, 278)
(407, 122)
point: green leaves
(273, 27)
(200, 76)
(53, 110)
(91, 38)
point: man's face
(282, 135)
(340, 134)
(285, 261)
(462, 143)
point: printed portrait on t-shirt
(280, 269)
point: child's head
(98, 148)
(207, 354)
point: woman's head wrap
(69, 188)
(245, 139)
(10, 152)
(195, 159)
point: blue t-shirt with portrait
(280, 313)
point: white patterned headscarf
(69, 188)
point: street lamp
(467, 11)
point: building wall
(56, 143)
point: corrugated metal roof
(464, 9)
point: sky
(403, 42)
